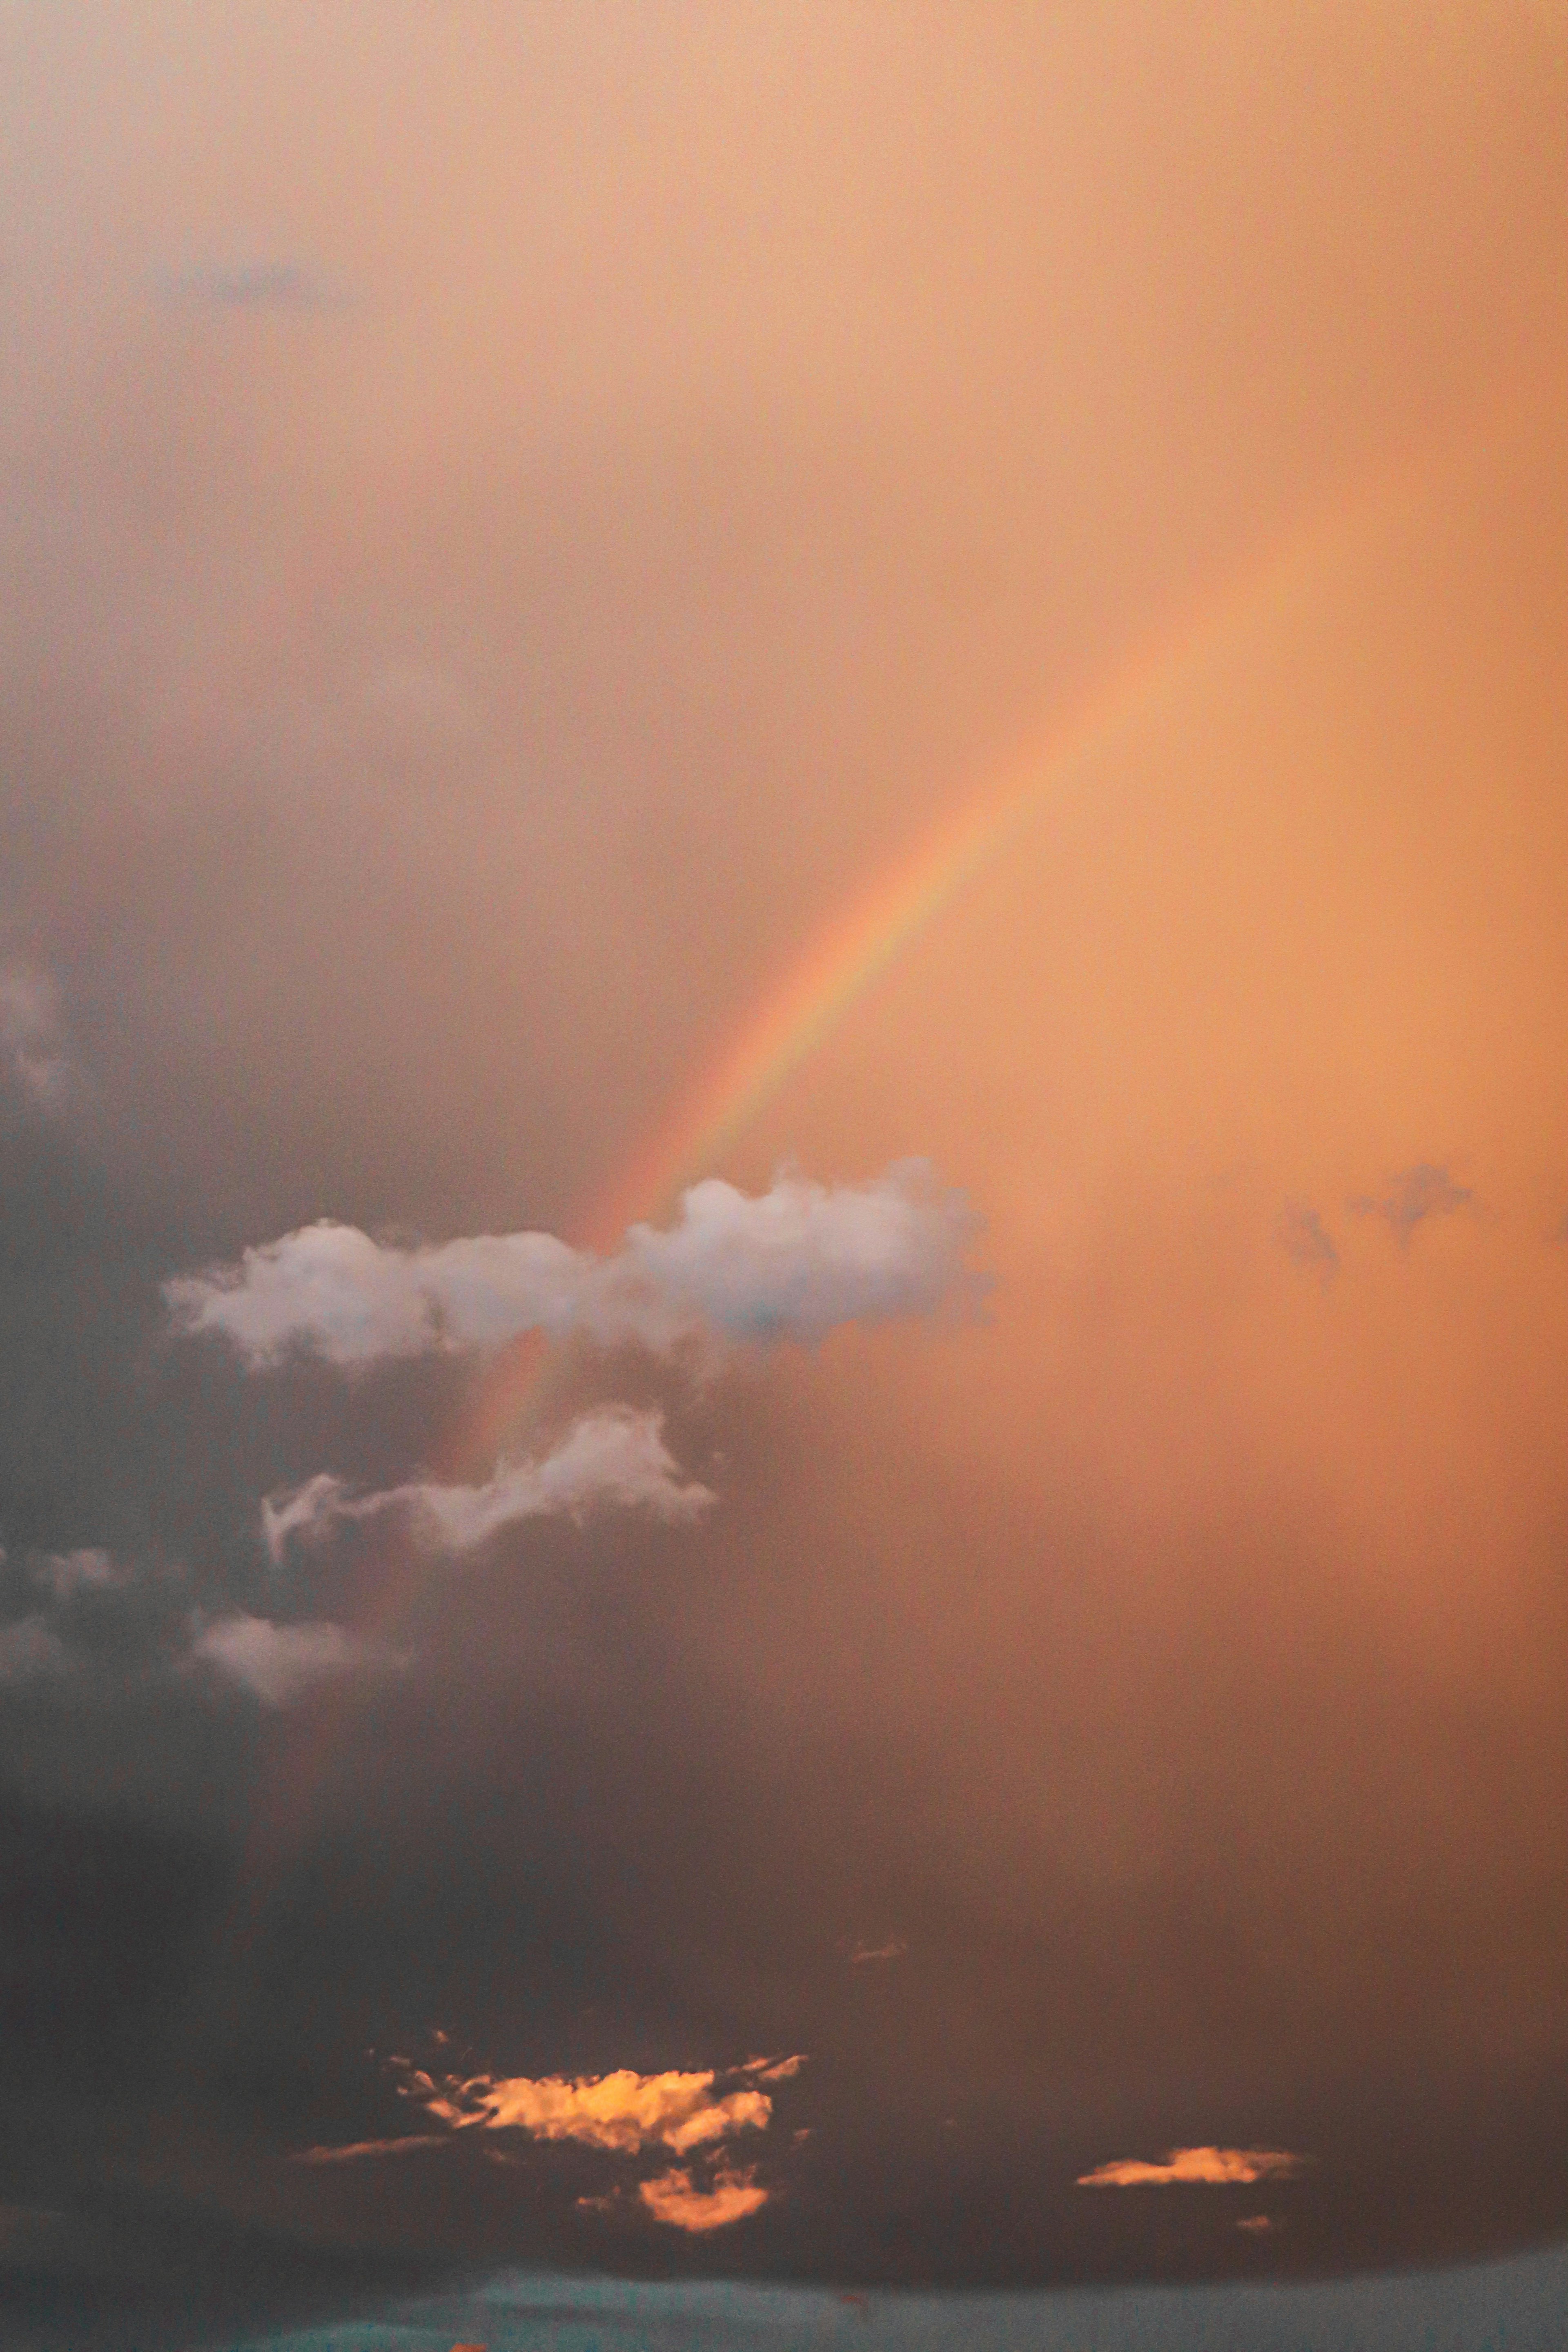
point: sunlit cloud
(614, 1456)
(1216, 2168)
(864, 1955)
(359, 2149)
(279, 1664)
(676, 2200)
(624, 2111)
(791, 1263)
(1413, 1196)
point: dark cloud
(1416, 1193)
(1307, 1241)
(253, 285)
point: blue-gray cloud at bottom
(1518, 2305)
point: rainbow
(812, 997)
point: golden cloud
(624, 2110)
(1209, 2166)
(675, 2198)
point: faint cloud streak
(1213, 2168)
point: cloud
(622, 2111)
(32, 1037)
(64, 1574)
(1217, 2168)
(613, 1454)
(863, 1955)
(1413, 1196)
(279, 1664)
(675, 2198)
(791, 1263)
(1306, 1240)
(30, 1647)
(359, 2149)
(255, 284)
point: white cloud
(1213, 2168)
(613, 1454)
(279, 1664)
(791, 1263)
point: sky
(784, 1286)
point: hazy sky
(977, 596)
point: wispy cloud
(256, 283)
(357, 2150)
(1306, 1240)
(30, 1647)
(279, 1664)
(1413, 1195)
(32, 1037)
(613, 1456)
(864, 1955)
(1216, 2168)
(791, 1262)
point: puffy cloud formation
(624, 2111)
(1413, 1196)
(613, 1454)
(279, 1664)
(677, 2199)
(1215, 2168)
(790, 1263)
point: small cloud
(773, 2070)
(64, 1574)
(28, 1648)
(1216, 2168)
(359, 2149)
(675, 2199)
(32, 1037)
(1306, 1240)
(1258, 2225)
(863, 1955)
(1413, 1196)
(258, 283)
(613, 1454)
(279, 1664)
